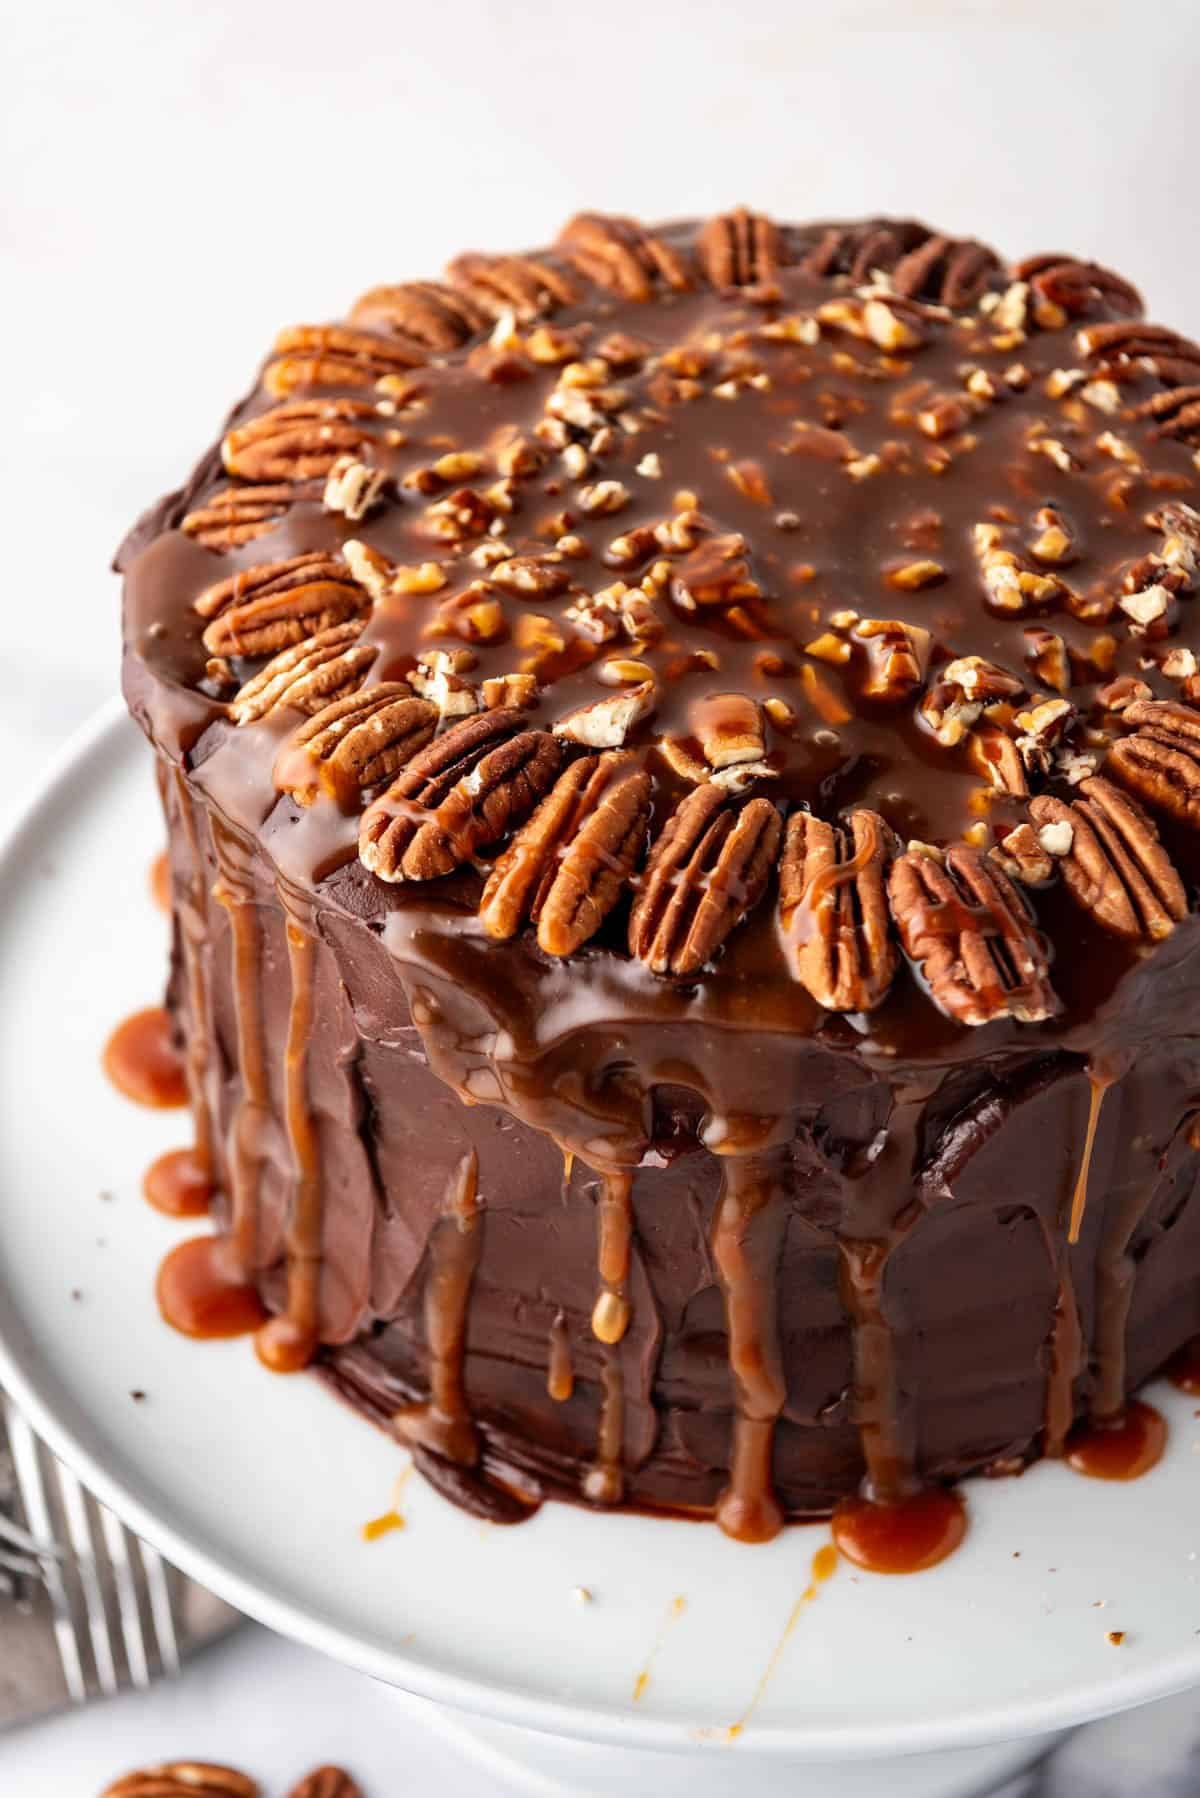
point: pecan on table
(707, 871)
(183, 1779)
(1161, 760)
(568, 866)
(1115, 868)
(355, 743)
(833, 908)
(462, 793)
(968, 931)
(327, 1782)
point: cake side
(723, 708)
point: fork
(110, 1594)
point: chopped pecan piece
(1024, 857)
(429, 316)
(235, 515)
(715, 573)
(313, 357)
(274, 605)
(1161, 761)
(308, 676)
(1046, 654)
(298, 441)
(354, 744)
(460, 794)
(606, 723)
(970, 934)
(353, 488)
(739, 249)
(621, 255)
(962, 689)
(707, 871)
(530, 577)
(527, 287)
(833, 909)
(568, 866)
(729, 727)
(1116, 868)
(327, 1782)
(897, 656)
(994, 753)
(183, 1779)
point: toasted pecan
(1116, 867)
(707, 871)
(833, 908)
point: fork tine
(23, 1444)
(116, 1542)
(79, 1532)
(159, 1592)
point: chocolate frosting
(861, 525)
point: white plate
(258, 1485)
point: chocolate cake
(681, 754)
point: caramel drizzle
(444, 1423)
(827, 880)
(1099, 1082)
(253, 1109)
(1066, 1360)
(864, 1252)
(289, 1341)
(604, 1481)
(1116, 1272)
(560, 1374)
(747, 1239)
(193, 935)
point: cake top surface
(742, 621)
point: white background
(178, 183)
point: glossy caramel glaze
(793, 1249)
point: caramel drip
(444, 1423)
(193, 938)
(1065, 1352)
(1099, 1082)
(675, 1611)
(560, 1375)
(604, 1481)
(253, 1109)
(289, 1341)
(873, 1230)
(747, 1239)
(1116, 1271)
(837, 874)
(824, 1566)
(141, 1060)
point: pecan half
(621, 255)
(1161, 761)
(327, 1782)
(1116, 868)
(355, 743)
(568, 866)
(430, 316)
(459, 795)
(739, 249)
(298, 441)
(707, 871)
(859, 250)
(833, 909)
(948, 270)
(183, 1779)
(1075, 287)
(274, 605)
(234, 515)
(527, 287)
(969, 932)
(313, 357)
(308, 676)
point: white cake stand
(259, 1485)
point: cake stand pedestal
(536, 1765)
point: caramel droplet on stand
(160, 882)
(901, 1537)
(1120, 1448)
(179, 1184)
(284, 1345)
(202, 1291)
(143, 1063)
